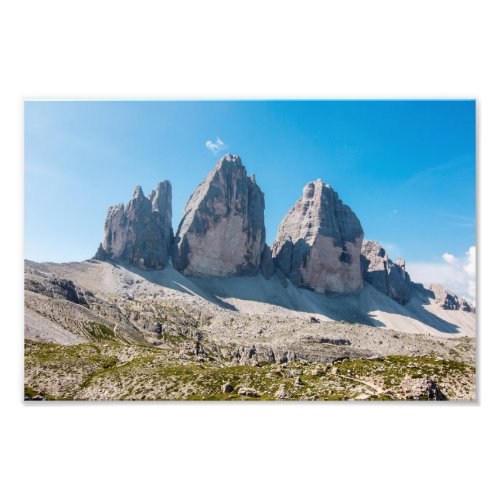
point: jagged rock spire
(141, 232)
(382, 273)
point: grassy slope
(104, 370)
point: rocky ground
(99, 331)
(113, 371)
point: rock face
(425, 388)
(55, 287)
(141, 232)
(222, 231)
(449, 300)
(388, 277)
(319, 242)
(267, 263)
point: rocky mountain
(222, 231)
(141, 232)
(388, 277)
(319, 242)
(231, 318)
(449, 300)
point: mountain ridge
(319, 244)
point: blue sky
(407, 168)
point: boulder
(281, 393)
(140, 233)
(248, 391)
(227, 388)
(222, 231)
(319, 242)
(424, 388)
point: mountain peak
(141, 232)
(138, 193)
(222, 231)
(319, 242)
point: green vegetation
(106, 369)
(99, 331)
(30, 393)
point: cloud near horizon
(458, 274)
(216, 146)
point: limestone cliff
(141, 232)
(386, 276)
(319, 242)
(222, 231)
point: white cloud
(470, 267)
(216, 146)
(470, 270)
(449, 258)
(455, 273)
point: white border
(263, 49)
